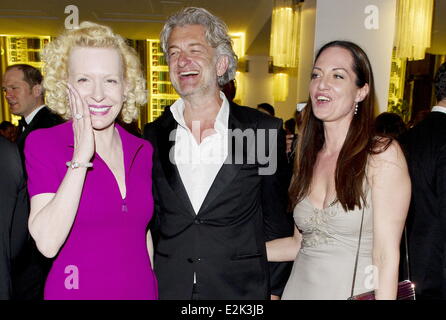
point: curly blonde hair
(89, 34)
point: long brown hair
(359, 142)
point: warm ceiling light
(240, 87)
(285, 33)
(413, 29)
(238, 43)
(280, 86)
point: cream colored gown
(323, 268)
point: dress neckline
(332, 203)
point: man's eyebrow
(196, 44)
(189, 45)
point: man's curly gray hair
(216, 35)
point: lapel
(166, 144)
(36, 120)
(31, 126)
(225, 176)
(230, 168)
(21, 135)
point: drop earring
(356, 108)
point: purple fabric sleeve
(41, 163)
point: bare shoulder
(388, 156)
(388, 150)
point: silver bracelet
(75, 164)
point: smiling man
(214, 208)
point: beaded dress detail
(323, 269)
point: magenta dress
(105, 255)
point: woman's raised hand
(84, 146)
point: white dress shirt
(439, 109)
(30, 117)
(199, 164)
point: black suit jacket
(13, 213)
(224, 243)
(43, 119)
(425, 147)
(31, 267)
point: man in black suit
(22, 85)
(216, 174)
(13, 213)
(425, 146)
(23, 89)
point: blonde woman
(89, 179)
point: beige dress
(323, 269)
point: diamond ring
(78, 116)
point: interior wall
(258, 83)
(438, 39)
(285, 109)
(306, 52)
(334, 21)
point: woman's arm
(150, 247)
(284, 249)
(52, 214)
(391, 190)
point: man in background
(22, 86)
(425, 146)
(266, 108)
(13, 213)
